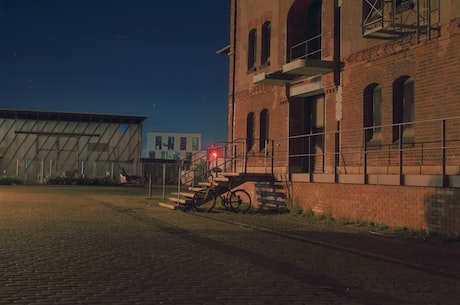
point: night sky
(146, 57)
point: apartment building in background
(355, 105)
(172, 145)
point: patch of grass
(400, 230)
(326, 217)
(343, 221)
(296, 210)
(309, 214)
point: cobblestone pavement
(81, 245)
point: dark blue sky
(147, 57)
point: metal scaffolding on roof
(390, 19)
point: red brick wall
(434, 209)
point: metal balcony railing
(309, 49)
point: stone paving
(62, 245)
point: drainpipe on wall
(337, 82)
(233, 53)
(235, 6)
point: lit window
(158, 141)
(171, 143)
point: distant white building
(173, 145)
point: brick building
(352, 104)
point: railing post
(224, 153)
(245, 157)
(336, 156)
(311, 157)
(445, 181)
(366, 179)
(265, 155)
(233, 156)
(273, 157)
(401, 176)
(179, 168)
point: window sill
(251, 70)
(265, 65)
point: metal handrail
(307, 52)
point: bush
(10, 180)
(80, 180)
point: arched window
(266, 38)
(403, 107)
(250, 131)
(373, 112)
(264, 129)
(304, 30)
(252, 50)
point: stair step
(261, 185)
(206, 184)
(167, 205)
(230, 174)
(184, 194)
(272, 205)
(195, 189)
(180, 200)
(221, 179)
(271, 194)
(271, 201)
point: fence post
(150, 185)
(42, 171)
(25, 169)
(164, 181)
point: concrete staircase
(213, 172)
(271, 195)
(184, 198)
(267, 193)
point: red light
(213, 153)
